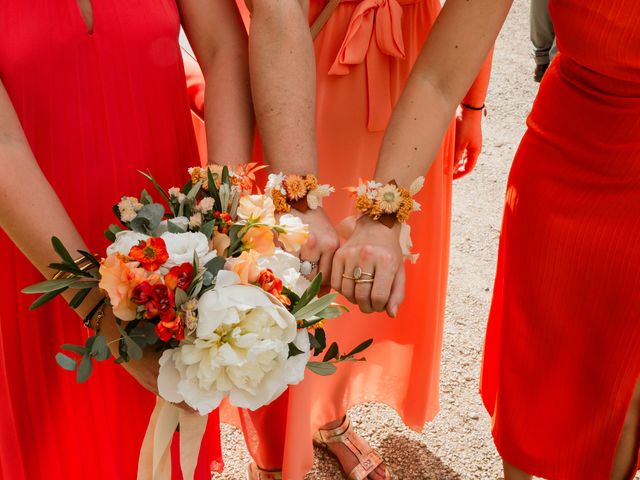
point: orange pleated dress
(95, 108)
(364, 56)
(562, 354)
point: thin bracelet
(466, 105)
(93, 312)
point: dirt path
(457, 445)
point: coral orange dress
(562, 354)
(95, 108)
(364, 56)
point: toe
(378, 473)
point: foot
(539, 72)
(347, 458)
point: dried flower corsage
(296, 191)
(387, 203)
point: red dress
(95, 108)
(562, 353)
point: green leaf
(134, 352)
(79, 297)
(145, 198)
(187, 187)
(180, 297)
(149, 177)
(61, 250)
(309, 294)
(63, 267)
(207, 228)
(332, 352)
(79, 349)
(309, 323)
(225, 174)
(148, 218)
(109, 236)
(175, 228)
(321, 368)
(294, 350)
(213, 190)
(332, 311)
(321, 337)
(214, 265)
(314, 307)
(116, 211)
(194, 191)
(149, 332)
(313, 341)
(84, 370)
(100, 349)
(66, 362)
(360, 348)
(47, 297)
(81, 284)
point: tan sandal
(368, 459)
(256, 473)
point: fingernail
(394, 311)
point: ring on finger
(308, 266)
(358, 273)
(364, 280)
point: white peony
(287, 268)
(181, 247)
(124, 241)
(241, 350)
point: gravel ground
(457, 445)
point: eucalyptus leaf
(66, 362)
(133, 350)
(207, 228)
(180, 297)
(321, 368)
(84, 370)
(175, 228)
(148, 218)
(145, 198)
(314, 307)
(214, 265)
(207, 279)
(79, 349)
(99, 345)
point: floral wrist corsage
(296, 191)
(387, 203)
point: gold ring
(348, 277)
(365, 280)
(358, 273)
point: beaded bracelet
(387, 203)
(302, 192)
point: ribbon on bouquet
(155, 455)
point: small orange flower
(295, 187)
(280, 202)
(273, 285)
(151, 254)
(311, 182)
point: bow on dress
(374, 34)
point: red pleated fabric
(95, 108)
(562, 353)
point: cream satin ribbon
(155, 455)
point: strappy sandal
(368, 459)
(256, 473)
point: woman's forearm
(283, 75)
(228, 109)
(477, 94)
(450, 60)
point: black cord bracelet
(465, 105)
(89, 317)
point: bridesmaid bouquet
(214, 283)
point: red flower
(151, 254)
(224, 221)
(142, 293)
(179, 277)
(158, 301)
(273, 285)
(168, 329)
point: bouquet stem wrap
(155, 454)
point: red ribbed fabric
(95, 108)
(562, 353)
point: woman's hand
(375, 250)
(468, 141)
(322, 243)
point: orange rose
(246, 266)
(260, 239)
(118, 279)
(220, 242)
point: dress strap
(324, 16)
